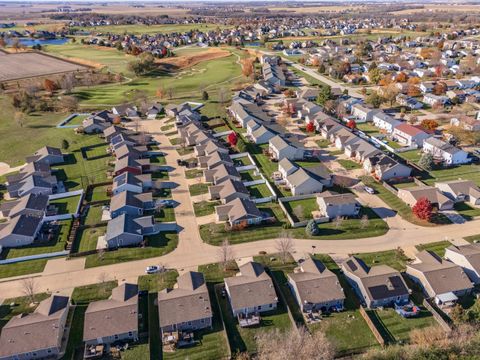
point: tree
(375, 75)
(458, 315)
(413, 90)
(65, 144)
(310, 127)
(225, 254)
(204, 95)
(293, 345)
(19, 118)
(232, 138)
(390, 93)
(247, 66)
(160, 93)
(364, 221)
(28, 288)
(375, 100)
(312, 228)
(426, 161)
(423, 209)
(284, 246)
(338, 222)
(440, 88)
(322, 69)
(143, 65)
(324, 95)
(49, 85)
(429, 124)
(351, 124)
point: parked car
(181, 162)
(153, 269)
(369, 190)
(165, 203)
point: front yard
(198, 189)
(66, 205)
(349, 164)
(394, 258)
(437, 247)
(204, 208)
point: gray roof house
(37, 335)
(187, 306)
(33, 184)
(228, 190)
(32, 204)
(131, 203)
(280, 148)
(375, 286)
(333, 205)
(94, 124)
(383, 167)
(445, 152)
(411, 195)
(209, 147)
(315, 287)
(263, 134)
(36, 168)
(385, 122)
(220, 173)
(131, 182)
(440, 279)
(460, 190)
(467, 257)
(115, 130)
(19, 231)
(308, 180)
(126, 230)
(214, 160)
(251, 291)
(239, 211)
(48, 155)
(114, 319)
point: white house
(385, 122)
(409, 135)
(447, 153)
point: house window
(130, 333)
(189, 323)
(202, 321)
(116, 337)
(270, 305)
(259, 307)
(49, 351)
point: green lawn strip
(347, 329)
(368, 128)
(88, 293)
(259, 191)
(98, 193)
(185, 150)
(87, 238)
(57, 244)
(198, 189)
(349, 164)
(465, 172)
(94, 215)
(393, 258)
(22, 305)
(67, 205)
(204, 208)
(157, 282)
(472, 238)
(249, 176)
(242, 161)
(160, 175)
(165, 215)
(158, 160)
(166, 127)
(163, 193)
(193, 173)
(323, 143)
(22, 268)
(466, 210)
(301, 210)
(437, 247)
(156, 245)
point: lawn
(412, 155)
(193, 173)
(98, 193)
(94, 215)
(22, 268)
(259, 191)
(22, 306)
(156, 245)
(394, 258)
(249, 176)
(437, 247)
(465, 172)
(160, 175)
(368, 128)
(165, 215)
(158, 160)
(466, 210)
(94, 292)
(185, 150)
(139, 29)
(323, 143)
(473, 238)
(198, 189)
(87, 238)
(301, 210)
(349, 164)
(242, 161)
(66, 205)
(204, 208)
(157, 282)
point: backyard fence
(372, 326)
(296, 224)
(437, 316)
(34, 257)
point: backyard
(204, 208)
(66, 205)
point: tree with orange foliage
(413, 90)
(160, 93)
(414, 80)
(117, 120)
(310, 127)
(49, 85)
(440, 88)
(247, 66)
(351, 124)
(401, 78)
(429, 124)
(423, 209)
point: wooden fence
(437, 316)
(372, 326)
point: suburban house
(37, 335)
(126, 230)
(131, 165)
(308, 111)
(280, 148)
(468, 258)
(409, 135)
(445, 152)
(239, 212)
(466, 122)
(209, 147)
(360, 150)
(33, 184)
(31, 205)
(36, 168)
(114, 130)
(220, 173)
(375, 286)
(153, 111)
(435, 100)
(307, 93)
(410, 196)
(125, 110)
(131, 203)
(383, 167)
(440, 279)
(385, 122)
(244, 111)
(94, 125)
(333, 205)
(48, 155)
(114, 319)
(214, 159)
(409, 102)
(460, 190)
(228, 190)
(363, 113)
(316, 288)
(186, 307)
(263, 134)
(19, 231)
(309, 180)
(273, 74)
(131, 182)
(250, 292)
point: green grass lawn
(165, 215)
(394, 258)
(139, 29)
(157, 245)
(67, 205)
(203, 208)
(301, 210)
(249, 176)
(158, 160)
(465, 172)
(98, 193)
(193, 173)
(185, 150)
(87, 238)
(467, 211)
(160, 175)
(323, 143)
(22, 305)
(412, 155)
(472, 238)
(437, 247)
(259, 191)
(242, 161)
(94, 215)
(22, 268)
(198, 189)
(94, 292)
(157, 282)
(349, 164)
(368, 128)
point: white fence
(34, 257)
(62, 196)
(224, 133)
(296, 224)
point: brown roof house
(114, 319)
(186, 307)
(228, 191)
(251, 292)
(316, 288)
(440, 279)
(239, 212)
(411, 195)
(375, 286)
(468, 257)
(37, 335)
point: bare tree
(28, 288)
(225, 254)
(103, 277)
(284, 246)
(364, 221)
(101, 254)
(338, 222)
(294, 345)
(19, 118)
(170, 93)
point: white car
(152, 269)
(369, 190)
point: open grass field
(150, 29)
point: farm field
(150, 29)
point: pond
(42, 42)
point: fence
(69, 194)
(437, 316)
(34, 257)
(389, 188)
(296, 224)
(372, 326)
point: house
(360, 150)
(280, 148)
(445, 152)
(19, 231)
(114, 130)
(333, 205)
(263, 134)
(36, 168)
(131, 165)
(135, 152)
(48, 155)
(125, 110)
(33, 184)
(130, 182)
(36, 335)
(466, 122)
(409, 102)
(114, 319)
(307, 93)
(409, 135)
(468, 258)
(302, 181)
(273, 74)
(94, 125)
(244, 112)
(153, 111)
(228, 190)
(308, 111)
(31, 205)
(427, 87)
(375, 286)
(410, 196)
(239, 212)
(435, 100)
(186, 307)
(215, 159)
(127, 230)
(363, 113)
(383, 167)
(440, 279)
(251, 291)
(316, 288)
(385, 122)
(209, 147)
(460, 190)
(220, 173)
(131, 203)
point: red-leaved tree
(423, 209)
(232, 138)
(310, 127)
(351, 124)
